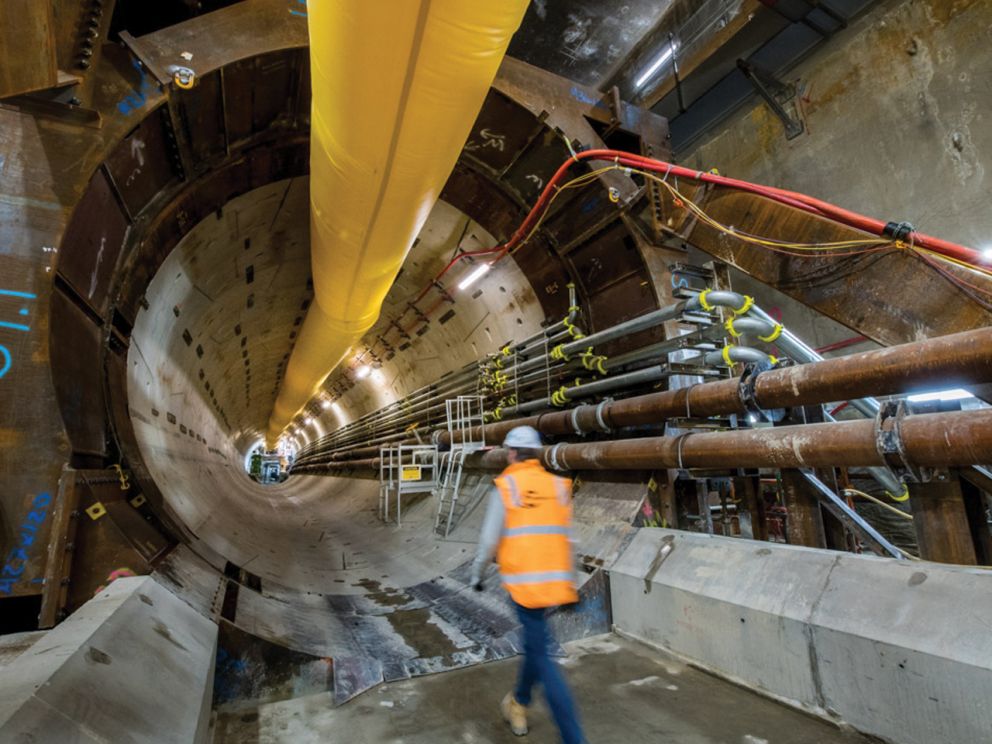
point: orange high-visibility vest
(535, 554)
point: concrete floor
(627, 692)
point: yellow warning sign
(411, 473)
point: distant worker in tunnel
(528, 526)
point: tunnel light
(336, 407)
(472, 278)
(941, 395)
(657, 64)
(308, 420)
(362, 372)
(325, 405)
(987, 255)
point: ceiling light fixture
(362, 372)
(472, 278)
(664, 57)
(942, 395)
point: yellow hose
(396, 89)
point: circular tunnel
(158, 251)
(201, 303)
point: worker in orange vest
(528, 526)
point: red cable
(838, 345)
(782, 196)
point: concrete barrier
(134, 664)
(901, 651)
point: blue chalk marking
(582, 97)
(22, 311)
(135, 100)
(23, 295)
(6, 361)
(15, 326)
(297, 13)
(18, 555)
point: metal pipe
(634, 325)
(931, 440)
(959, 359)
(736, 354)
(798, 350)
(403, 412)
(754, 326)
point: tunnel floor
(625, 691)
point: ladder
(465, 414)
(405, 468)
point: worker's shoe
(514, 714)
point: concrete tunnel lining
(307, 534)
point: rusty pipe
(955, 360)
(932, 440)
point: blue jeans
(538, 666)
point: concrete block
(722, 603)
(132, 665)
(897, 650)
(904, 651)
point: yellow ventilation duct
(396, 89)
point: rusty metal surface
(79, 385)
(88, 254)
(142, 164)
(61, 547)
(941, 522)
(27, 47)
(930, 440)
(46, 164)
(246, 29)
(882, 282)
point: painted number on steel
(17, 558)
(6, 358)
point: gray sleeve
(577, 571)
(492, 529)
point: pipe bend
(725, 298)
(737, 354)
(754, 326)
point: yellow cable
(878, 501)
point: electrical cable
(923, 246)
(878, 501)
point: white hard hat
(522, 437)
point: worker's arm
(492, 528)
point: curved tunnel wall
(180, 165)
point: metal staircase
(403, 469)
(465, 417)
